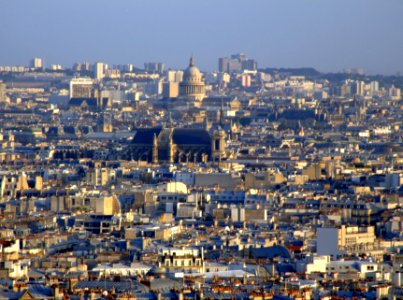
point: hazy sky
(326, 34)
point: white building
(314, 264)
(37, 63)
(350, 239)
(81, 87)
(99, 70)
(135, 268)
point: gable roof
(146, 135)
(186, 136)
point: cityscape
(244, 181)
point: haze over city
(200, 150)
(326, 35)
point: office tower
(223, 64)
(112, 73)
(236, 63)
(77, 67)
(394, 93)
(56, 67)
(360, 88)
(239, 56)
(174, 76)
(36, 63)
(81, 88)
(81, 67)
(99, 70)
(374, 87)
(229, 65)
(124, 68)
(153, 67)
(246, 80)
(345, 90)
(234, 66)
(249, 64)
(128, 68)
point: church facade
(177, 145)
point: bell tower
(218, 145)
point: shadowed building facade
(175, 145)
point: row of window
(182, 263)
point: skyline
(327, 36)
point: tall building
(360, 88)
(374, 87)
(239, 56)
(81, 88)
(153, 67)
(246, 80)
(82, 66)
(249, 64)
(124, 68)
(99, 70)
(192, 87)
(36, 63)
(174, 76)
(236, 63)
(229, 65)
(394, 93)
(223, 64)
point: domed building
(192, 87)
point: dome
(192, 73)
(192, 86)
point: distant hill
(292, 71)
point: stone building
(175, 145)
(192, 87)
